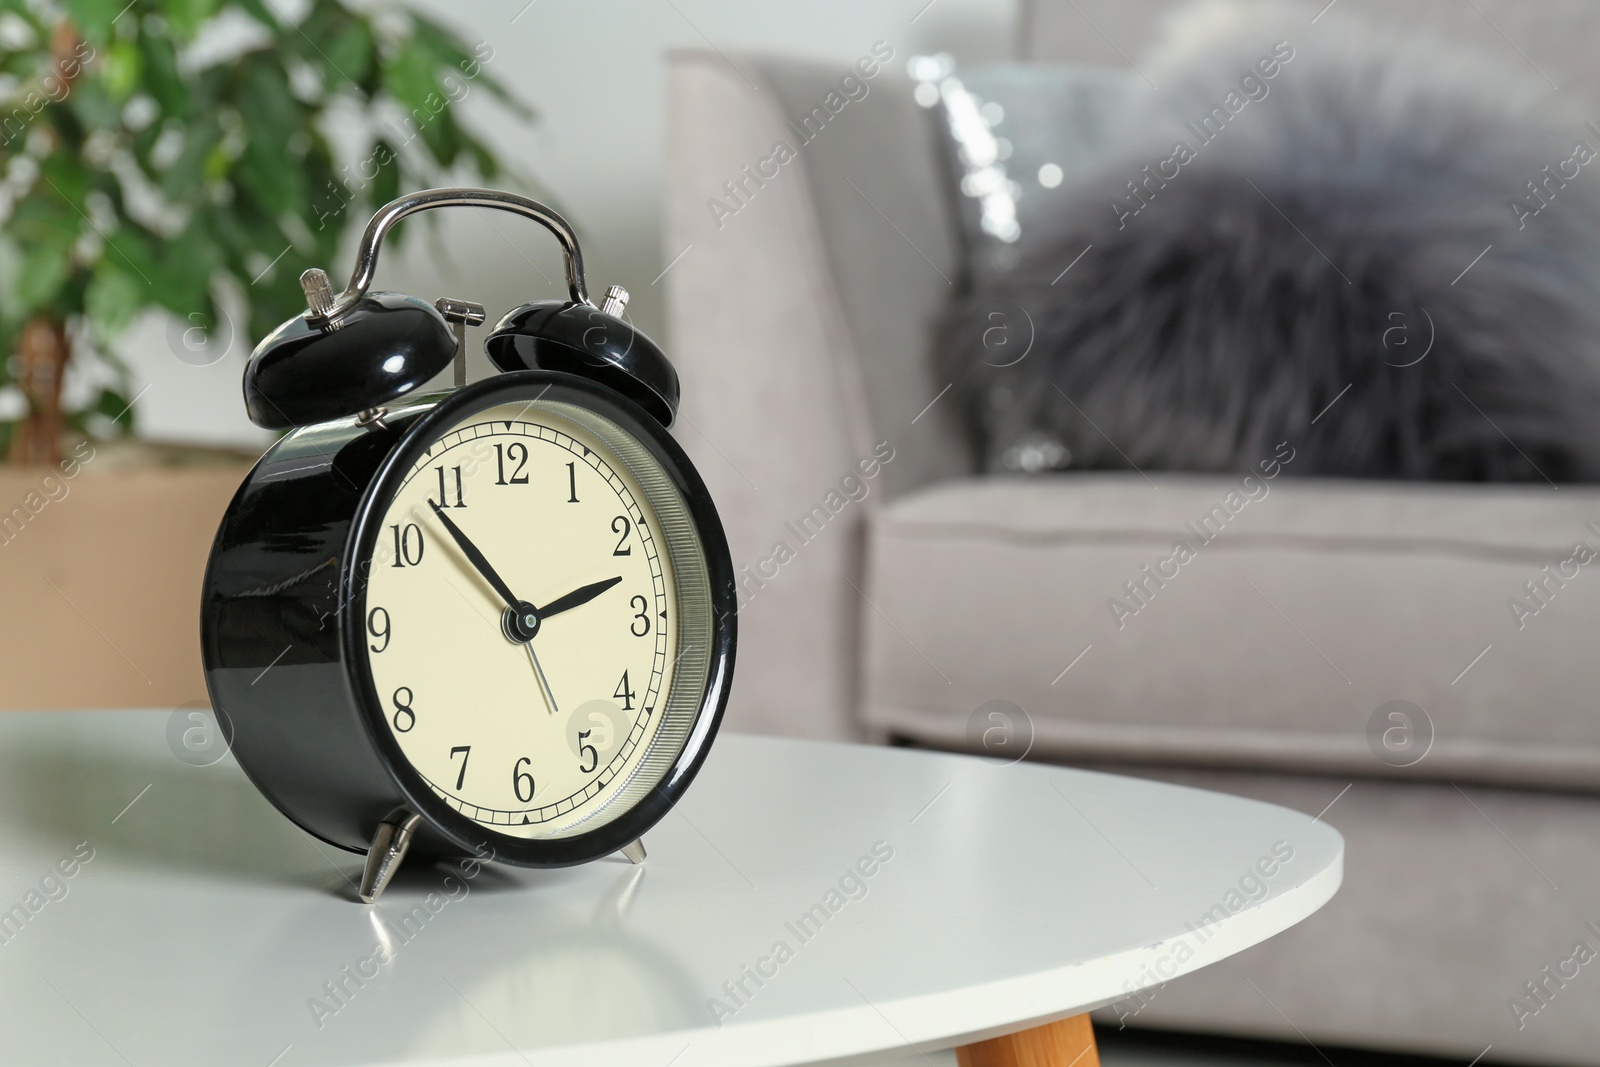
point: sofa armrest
(799, 323)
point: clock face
(537, 618)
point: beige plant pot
(100, 568)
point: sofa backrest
(1554, 37)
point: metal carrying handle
(325, 307)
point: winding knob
(319, 291)
(616, 299)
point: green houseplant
(180, 155)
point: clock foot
(634, 851)
(389, 845)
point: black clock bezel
(452, 825)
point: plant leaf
(187, 16)
(347, 56)
(184, 177)
(276, 297)
(66, 176)
(272, 178)
(267, 106)
(468, 63)
(120, 67)
(94, 17)
(386, 179)
(161, 77)
(43, 217)
(41, 276)
(114, 299)
(260, 12)
(273, 119)
(248, 240)
(91, 103)
(441, 40)
(443, 137)
(131, 248)
(116, 407)
(186, 265)
(483, 158)
(409, 79)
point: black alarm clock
(497, 621)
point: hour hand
(577, 597)
(476, 558)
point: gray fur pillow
(1385, 254)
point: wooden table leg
(1065, 1043)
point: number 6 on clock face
(526, 566)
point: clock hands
(521, 620)
(544, 683)
(577, 597)
(476, 558)
(556, 607)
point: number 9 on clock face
(536, 618)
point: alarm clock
(496, 621)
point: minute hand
(577, 597)
(476, 558)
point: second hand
(544, 683)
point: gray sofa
(888, 592)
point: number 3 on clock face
(534, 592)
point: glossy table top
(805, 903)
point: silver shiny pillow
(1019, 137)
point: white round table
(806, 902)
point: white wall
(594, 70)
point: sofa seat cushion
(1222, 621)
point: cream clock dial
(522, 618)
